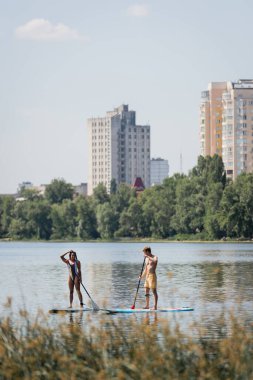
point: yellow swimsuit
(150, 281)
(150, 278)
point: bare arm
(144, 272)
(63, 258)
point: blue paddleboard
(165, 310)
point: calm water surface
(212, 278)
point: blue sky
(64, 61)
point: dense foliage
(200, 205)
(142, 350)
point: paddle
(133, 307)
(95, 307)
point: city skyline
(65, 62)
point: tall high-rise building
(226, 124)
(118, 149)
(211, 119)
(159, 169)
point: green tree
(158, 205)
(230, 218)
(244, 187)
(122, 198)
(212, 211)
(39, 213)
(210, 169)
(64, 220)
(107, 220)
(131, 221)
(86, 216)
(100, 195)
(31, 220)
(29, 194)
(236, 216)
(190, 206)
(7, 204)
(113, 187)
(58, 190)
(18, 229)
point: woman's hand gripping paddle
(133, 307)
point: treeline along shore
(203, 205)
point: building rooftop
(138, 184)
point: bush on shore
(109, 351)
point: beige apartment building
(226, 124)
(211, 119)
(118, 149)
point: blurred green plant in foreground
(34, 350)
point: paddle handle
(139, 280)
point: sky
(63, 61)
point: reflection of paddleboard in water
(165, 310)
(69, 310)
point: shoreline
(128, 240)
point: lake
(213, 278)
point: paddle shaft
(94, 305)
(139, 281)
(85, 290)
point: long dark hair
(70, 253)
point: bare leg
(147, 298)
(77, 286)
(156, 298)
(71, 291)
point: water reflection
(151, 319)
(76, 318)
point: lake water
(210, 277)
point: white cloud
(40, 29)
(138, 10)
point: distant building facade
(226, 124)
(78, 189)
(211, 119)
(118, 149)
(26, 185)
(81, 189)
(159, 170)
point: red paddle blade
(133, 307)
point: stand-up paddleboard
(70, 310)
(165, 310)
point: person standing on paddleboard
(75, 276)
(150, 276)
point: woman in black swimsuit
(75, 276)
